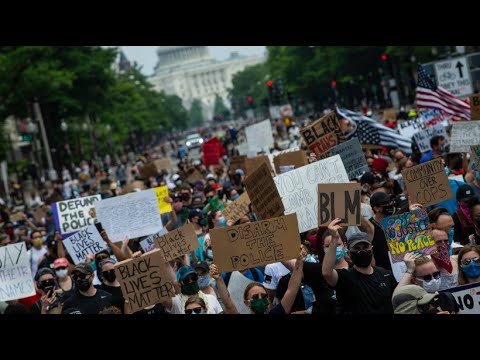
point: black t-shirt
(158, 309)
(325, 299)
(89, 304)
(380, 247)
(117, 296)
(366, 294)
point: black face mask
(82, 284)
(109, 275)
(48, 285)
(388, 210)
(362, 258)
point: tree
(196, 115)
(220, 109)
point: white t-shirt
(213, 306)
(35, 256)
(273, 273)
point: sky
(146, 55)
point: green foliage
(196, 115)
(219, 108)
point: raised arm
(294, 284)
(230, 307)
(406, 279)
(328, 271)
(60, 248)
(115, 249)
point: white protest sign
(73, 215)
(16, 281)
(454, 76)
(433, 117)
(148, 244)
(464, 135)
(467, 298)
(259, 136)
(132, 215)
(422, 138)
(298, 188)
(236, 288)
(85, 242)
(408, 128)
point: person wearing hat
(47, 285)
(188, 280)
(363, 288)
(55, 250)
(204, 279)
(87, 299)
(110, 283)
(65, 282)
(462, 217)
(412, 299)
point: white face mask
(210, 253)
(61, 273)
(432, 286)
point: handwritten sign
(352, 157)
(464, 135)
(145, 280)
(163, 164)
(467, 297)
(254, 163)
(256, 244)
(85, 242)
(16, 281)
(238, 162)
(211, 150)
(298, 188)
(177, 242)
(148, 170)
(259, 136)
(132, 215)
(427, 183)
(422, 138)
(475, 107)
(263, 194)
(408, 128)
(161, 193)
(236, 210)
(408, 232)
(148, 244)
(323, 134)
(433, 117)
(339, 201)
(73, 215)
(295, 159)
(194, 177)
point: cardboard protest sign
(259, 136)
(296, 159)
(238, 208)
(408, 232)
(256, 244)
(16, 217)
(73, 215)
(16, 280)
(163, 164)
(149, 244)
(194, 177)
(266, 202)
(352, 157)
(131, 215)
(464, 135)
(254, 163)
(323, 134)
(422, 138)
(475, 107)
(177, 242)
(87, 241)
(161, 193)
(137, 184)
(238, 162)
(467, 298)
(146, 280)
(211, 151)
(427, 183)
(390, 114)
(475, 150)
(339, 201)
(148, 170)
(298, 188)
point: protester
(469, 261)
(412, 299)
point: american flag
(431, 96)
(370, 132)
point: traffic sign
(454, 75)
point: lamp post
(52, 174)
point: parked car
(193, 141)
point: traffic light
(333, 83)
(250, 101)
(384, 57)
(269, 83)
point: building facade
(191, 73)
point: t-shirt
(117, 296)
(35, 256)
(277, 310)
(89, 304)
(380, 247)
(325, 297)
(426, 157)
(273, 274)
(213, 306)
(366, 294)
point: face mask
(93, 266)
(37, 242)
(44, 238)
(361, 259)
(222, 222)
(259, 306)
(190, 288)
(109, 276)
(388, 210)
(61, 273)
(210, 254)
(339, 255)
(432, 286)
(82, 284)
(472, 270)
(47, 285)
(235, 197)
(203, 281)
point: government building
(191, 73)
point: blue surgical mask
(222, 222)
(472, 270)
(450, 239)
(235, 197)
(203, 281)
(340, 253)
(210, 254)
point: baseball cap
(379, 199)
(201, 265)
(358, 238)
(239, 172)
(60, 262)
(464, 192)
(44, 271)
(83, 268)
(184, 271)
(406, 299)
(195, 212)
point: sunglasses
(80, 276)
(466, 262)
(190, 278)
(428, 278)
(196, 310)
(61, 268)
(259, 296)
